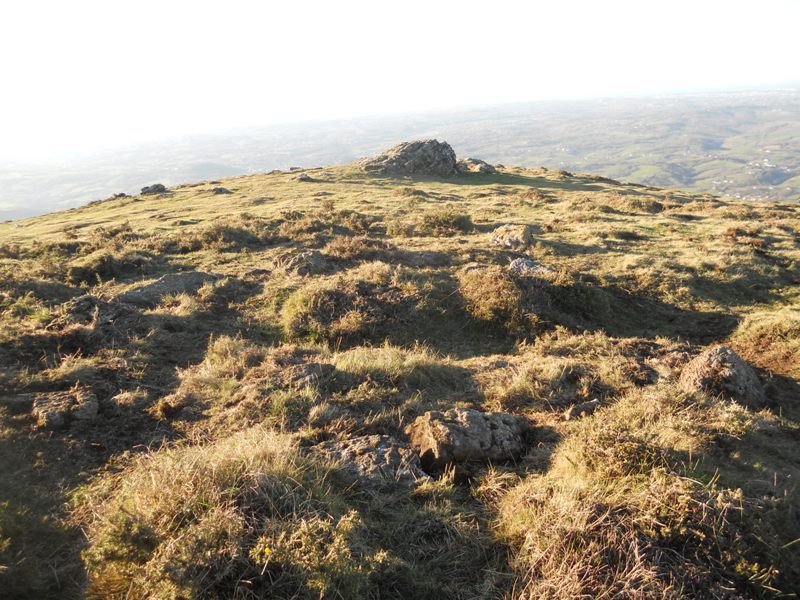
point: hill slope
(183, 376)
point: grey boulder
(463, 435)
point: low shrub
(350, 307)
(493, 296)
(444, 222)
(104, 265)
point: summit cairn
(424, 157)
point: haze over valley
(742, 145)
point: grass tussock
(320, 313)
(561, 369)
(771, 340)
(250, 517)
(626, 512)
(103, 265)
(349, 307)
(494, 297)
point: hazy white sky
(84, 74)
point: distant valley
(743, 145)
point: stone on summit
(430, 158)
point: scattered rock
(150, 295)
(582, 409)
(304, 177)
(156, 188)
(120, 195)
(527, 267)
(721, 372)
(511, 236)
(56, 410)
(220, 190)
(474, 165)
(310, 262)
(375, 459)
(464, 435)
(430, 158)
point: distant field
(743, 145)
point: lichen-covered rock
(311, 262)
(719, 371)
(474, 165)
(463, 435)
(514, 237)
(150, 295)
(376, 459)
(56, 410)
(424, 157)
(528, 267)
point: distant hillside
(744, 145)
(365, 381)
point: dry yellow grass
(195, 481)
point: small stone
(474, 165)
(528, 267)
(582, 409)
(719, 371)
(311, 262)
(514, 237)
(464, 435)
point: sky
(85, 75)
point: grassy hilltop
(215, 334)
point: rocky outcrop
(150, 295)
(514, 237)
(156, 188)
(57, 410)
(527, 267)
(376, 459)
(463, 435)
(218, 191)
(430, 158)
(721, 372)
(304, 177)
(474, 165)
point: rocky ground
(415, 376)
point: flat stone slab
(56, 410)
(376, 459)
